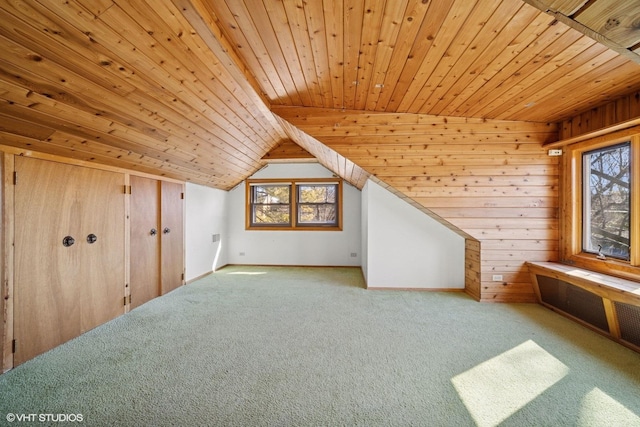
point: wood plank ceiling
(184, 88)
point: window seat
(606, 304)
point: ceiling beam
(627, 53)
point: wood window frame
(571, 209)
(293, 203)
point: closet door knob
(153, 232)
(92, 238)
(68, 241)
(166, 230)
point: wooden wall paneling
(102, 266)
(172, 232)
(492, 181)
(144, 283)
(47, 305)
(615, 115)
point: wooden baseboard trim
(391, 288)
(202, 276)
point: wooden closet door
(46, 288)
(145, 243)
(172, 248)
(103, 261)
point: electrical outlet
(497, 277)
(353, 254)
(241, 254)
(555, 152)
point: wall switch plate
(497, 277)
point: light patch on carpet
(497, 388)
(600, 409)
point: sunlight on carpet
(497, 388)
(600, 409)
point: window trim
(571, 208)
(293, 202)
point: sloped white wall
(404, 248)
(206, 215)
(264, 247)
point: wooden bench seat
(606, 304)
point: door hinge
(182, 277)
(125, 300)
(13, 347)
(182, 196)
(127, 189)
(15, 178)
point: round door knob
(68, 241)
(153, 232)
(166, 230)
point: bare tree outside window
(317, 204)
(607, 201)
(271, 204)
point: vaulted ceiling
(188, 88)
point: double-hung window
(601, 207)
(299, 204)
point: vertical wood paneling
(614, 113)
(492, 181)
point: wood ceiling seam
(518, 36)
(194, 13)
(281, 29)
(478, 48)
(519, 68)
(293, 13)
(35, 100)
(334, 31)
(537, 69)
(595, 57)
(353, 18)
(265, 33)
(463, 42)
(392, 20)
(223, 21)
(450, 26)
(243, 99)
(410, 27)
(314, 16)
(166, 39)
(369, 38)
(174, 104)
(419, 50)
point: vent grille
(629, 321)
(573, 300)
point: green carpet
(271, 346)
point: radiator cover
(573, 300)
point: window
(606, 199)
(600, 205)
(294, 204)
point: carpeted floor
(271, 346)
